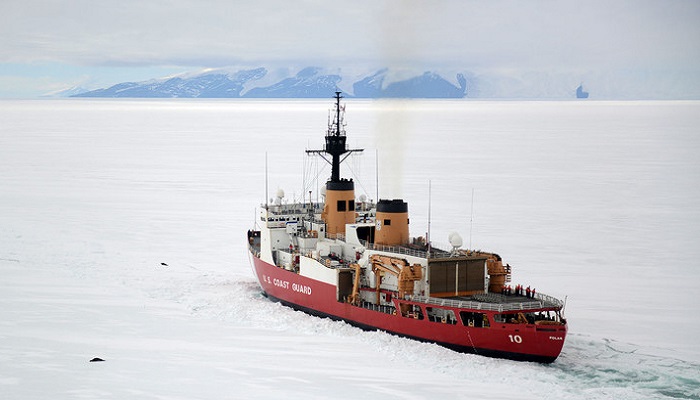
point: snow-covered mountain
(209, 84)
(321, 82)
(428, 85)
(68, 92)
(310, 82)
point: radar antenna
(335, 141)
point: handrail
(549, 299)
(293, 208)
(543, 301)
(434, 252)
(337, 236)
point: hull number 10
(515, 339)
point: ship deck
(494, 302)
(481, 301)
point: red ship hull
(522, 342)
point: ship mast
(339, 207)
(335, 142)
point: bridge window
(351, 205)
(341, 205)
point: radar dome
(280, 196)
(455, 240)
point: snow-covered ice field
(596, 201)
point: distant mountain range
(310, 82)
(363, 82)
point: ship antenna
(430, 196)
(337, 113)
(266, 197)
(471, 221)
(335, 142)
(376, 171)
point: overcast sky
(52, 44)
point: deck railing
(434, 251)
(540, 301)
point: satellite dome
(455, 240)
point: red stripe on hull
(525, 342)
